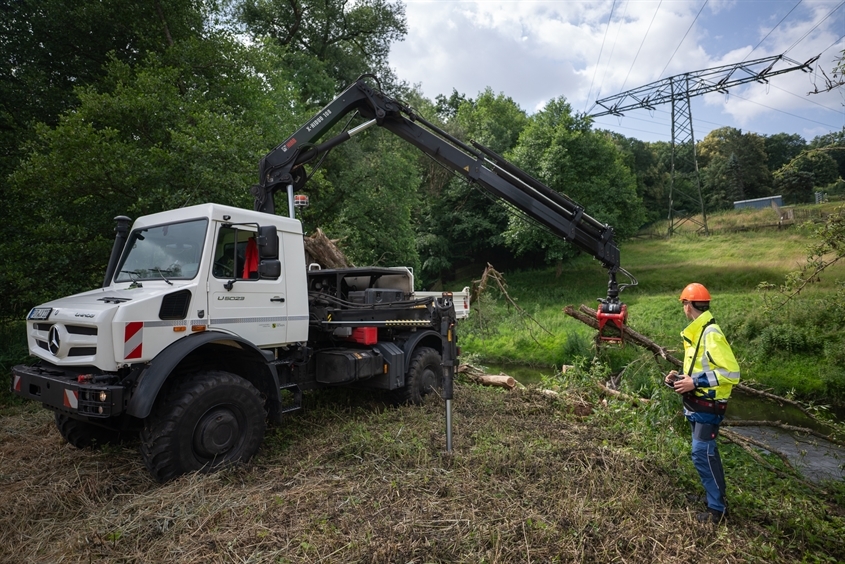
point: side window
(235, 254)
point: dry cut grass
(349, 480)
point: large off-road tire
(82, 434)
(425, 375)
(204, 422)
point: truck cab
(182, 272)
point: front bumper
(69, 392)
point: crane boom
(282, 168)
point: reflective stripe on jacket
(715, 370)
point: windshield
(169, 252)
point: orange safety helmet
(695, 292)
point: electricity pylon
(678, 90)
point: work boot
(710, 516)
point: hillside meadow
(796, 348)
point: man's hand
(684, 385)
(669, 380)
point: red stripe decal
(136, 352)
(132, 328)
(17, 384)
(71, 399)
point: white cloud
(533, 51)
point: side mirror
(268, 242)
(270, 269)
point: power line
(805, 98)
(600, 52)
(783, 111)
(684, 37)
(832, 44)
(641, 44)
(698, 120)
(774, 28)
(612, 50)
(813, 28)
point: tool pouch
(705, 432)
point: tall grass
(349, 480)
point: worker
(710, 370)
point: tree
(50, 47)
(811, 170)
(371, 185)
(734, 166)
(447, 108)
(459, 222)
(782, 148)
(794, 185)
(559, 148)
(179, 128)
(834, 142)
(646, 161)
(346, 38)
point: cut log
(622, 395)
(773, 397)
(500, 380)
(785, 427)
(588, 316)
(321, 250)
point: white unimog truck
(208, 323)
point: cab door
(238, 301)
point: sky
(534, 51)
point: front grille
(79, 330)
(82, 339)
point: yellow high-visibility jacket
(715, 369)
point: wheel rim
(428, 380)
(218, 432)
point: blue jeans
(705, 457)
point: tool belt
(702, 405)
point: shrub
(575, 345)
(780, 339)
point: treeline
(114, 107)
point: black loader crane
(283, 169)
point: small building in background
(767, 202)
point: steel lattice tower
(685, 187)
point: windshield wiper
(135, 275)
(161, 273)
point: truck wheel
(206, 421)
(425, 374)
(82, 434)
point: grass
(746, 219)
(349, 480)
(795, 349)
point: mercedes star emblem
(53, 340)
